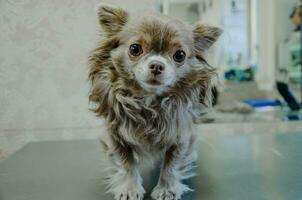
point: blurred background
(45, 46)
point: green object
(295, 67)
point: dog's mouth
(154, 82)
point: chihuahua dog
(149, 80)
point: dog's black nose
(156, 68)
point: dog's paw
(130, 193)
(163, 194)
(169, 193)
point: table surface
(230, 167)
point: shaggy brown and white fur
(149, 80)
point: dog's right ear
(205, 36)
(112, 19)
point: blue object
(261, 103)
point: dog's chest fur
(152, 122)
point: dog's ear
(112, 19)
(205, 36)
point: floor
(260, 166)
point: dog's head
(154, 50)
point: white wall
(274, 26)
(43, 61)
(213, 17)
(265, 76)
(283, 26)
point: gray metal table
(230, 167)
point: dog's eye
(179, 56)
(135, 49)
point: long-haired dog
(149, 80)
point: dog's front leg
(125, 181)
(176, 165)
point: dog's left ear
(112, 19)
(205, 36)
